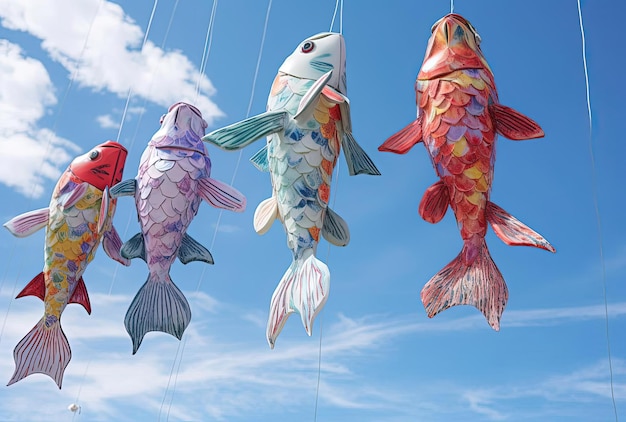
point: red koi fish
(78, 219)
(458, 119)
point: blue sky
(381, 358)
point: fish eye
(308, 46)
(94, 154)
(161, 119)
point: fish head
(102, 166)
(453, 45)
(316, 56)
(180, 121)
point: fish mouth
(453, 45)
(180, 148)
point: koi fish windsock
(458, 119)
(78, 218)
(174, 177)
(307, 123)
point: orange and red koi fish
(458, 119)
(78, 218)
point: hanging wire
(183, 343)
(116, 268)
(451, 6)
(341, 18)
(181, 349)
(207, 48)
(134, 137)
(332, 22)
(594, 183)
(59, 111)
(130, 90)
(338, 6)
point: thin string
(130, 90)
(332, 22)
(59, 111)
(80, 387)
(341, 18)
(207, 48)
(116, 268)
(183, 344)
(338, 6)
(254, 80)
(320, 319)
(181, 347)
(139, 119)
(451, 6)
(594, 183)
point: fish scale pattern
(301, 163)
(72, 239)
(167, 198)
(460, 137)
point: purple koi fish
(173, 178)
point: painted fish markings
(459, 116)
(173, 179)
(307, 124)
(79, 217)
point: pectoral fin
(104, 210)
(28, 223)
(309, 100)
(514, 125)
(112, 244)
(70, 198)
(191, 250)
(403, 141)
(243, 133)
(221, 195)
(125, 188)
(335, 229)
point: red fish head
(453, 45)
(102, 166)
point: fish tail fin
(303, 289)
(43, 350)
(478, 283)
(158, 306)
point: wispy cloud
(237, 379)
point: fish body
(458, 119)
(173, 179)
(307, 123)
(78, 218)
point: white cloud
(106, 121)
(224, 377)
(100, 46)
(112, 59)
(30, 156)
